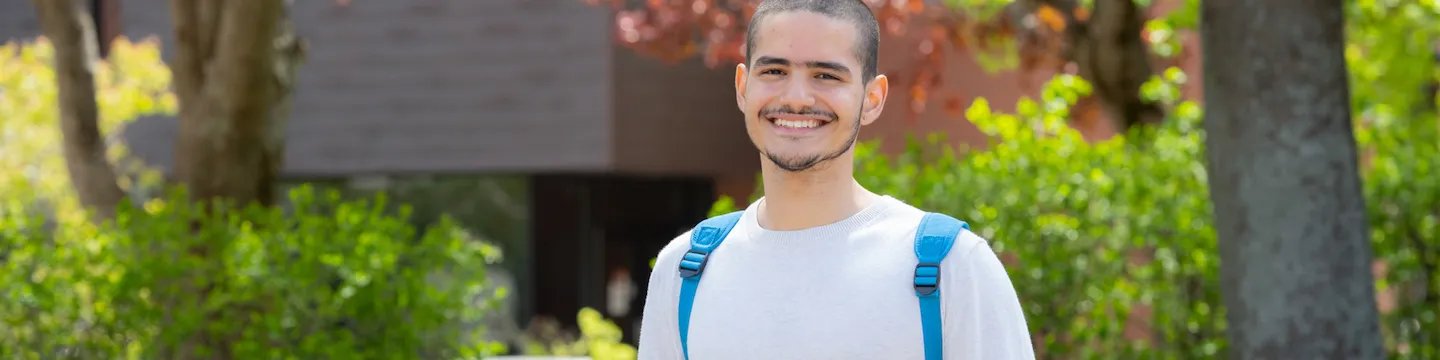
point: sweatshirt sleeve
(983, 317)
(659, 323)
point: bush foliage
(348, 282)
(598, 338)
(319, 279)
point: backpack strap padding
(703, 240)
(933, 240)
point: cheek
(844, 102)
(755, 99)
(752, 108)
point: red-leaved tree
(1102, 41)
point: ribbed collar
(750, 224)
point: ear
(875, 94)
(740, 76)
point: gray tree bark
(72, 34)
(234, 71)
(235, 63)
(1294, 241)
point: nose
(797, 94)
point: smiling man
(822, 268)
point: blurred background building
(528, 123)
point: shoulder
(968, 253)
(670, 255)
(974, 264)
(968, 243)
(968, 248)
(965, 241)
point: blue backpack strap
(703, 240)
(933, 240)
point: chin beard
(804, 163)
(797, 163)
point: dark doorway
(592, 232)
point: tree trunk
(71, 33)
(234, 67)
(1109, 51)
(1283, 173)
(235, 63)
(234, 70)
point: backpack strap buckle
(693, 263)
(927, 279)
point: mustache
(786, 109)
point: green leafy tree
(131, 83)
(234, 69)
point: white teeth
(797, 124)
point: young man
(821, 268)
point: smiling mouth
(797, 124)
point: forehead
(805, 36)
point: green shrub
(1392, 77)
(1403, 158)
(319, 279)
(350, 282)
(599, 339)
(345, 283)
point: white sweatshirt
(838, 291)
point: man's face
(803, 94)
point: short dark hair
(867, 30)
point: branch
(1112, 54)
(1067, 9)
(72, 35)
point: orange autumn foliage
(714, 30)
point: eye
(824, 76)
(772, 72)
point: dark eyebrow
(766, 60)
(827, 65)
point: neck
(821, 195)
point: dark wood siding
(433, 86)
(679, 119)
(18, 22)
